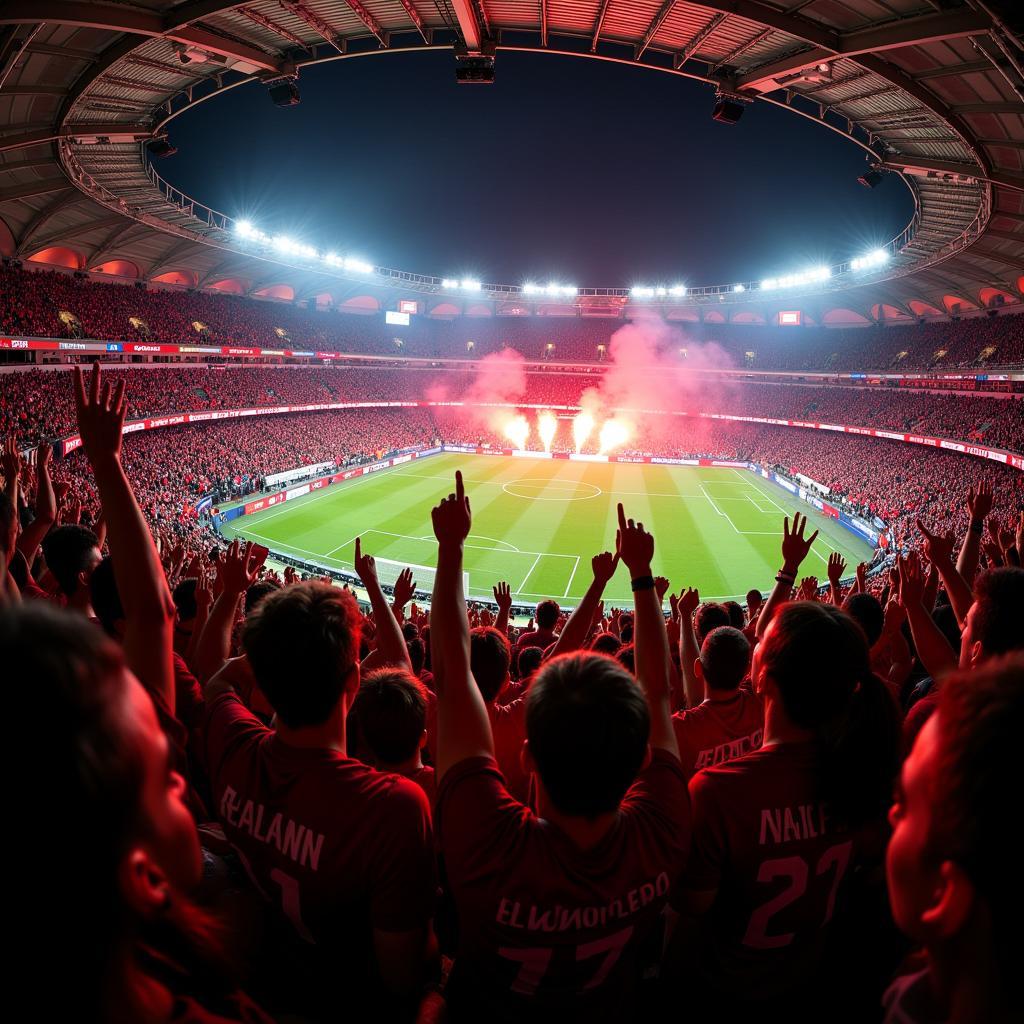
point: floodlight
(727, 111)
(284, 92)
(871, 178)
(470, 285)
(244, 228)
(449, 283)
(161, 147)
(677, 290)
(738, 288)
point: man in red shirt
(730, 721)
(556, 910)
(544, 635)
(345, 852)
(390, 711)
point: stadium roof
(933, 90)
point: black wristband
(642, 583)
(785, 577)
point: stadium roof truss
(932, 90)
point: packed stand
(256, 800)
(32, 301)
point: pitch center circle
(537, 490)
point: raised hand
(503, 597)
(100, 415)
(366, 565)
(43, 453)
(938, 547)
(405, 587)
(452, 518)
(911, 580)
(688, 603)
(836, 568)
(661, 587)
(895, 616)
(10, 460)
(240, 567)
(204, 595)
(808, 589)
(604, 566)
(979, 502)
(794, 547)
(634, 545)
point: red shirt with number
(340, 848)
(781, 866)
(547, 928)
(719, 730)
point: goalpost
(389, 570)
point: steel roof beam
(698, 39)
(258, 18)
(91, 131)
(599, 24)
(77, 230)
(1004, 178)
(315, 22)
(414, 17)
(30, 189)
(469, 24)
(927, 28)
(543, 22)
(652, 29)
(368, 20)
(133, 21)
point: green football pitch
(537, 523)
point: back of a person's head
(866, 610)
(104, 596)
(709, 616)
(256, 592)
(410, 631)
(606, 643)
(528, 661)
(626, 657)
(547, 614)
(69, 551)
(736, 616)
(998, 612)
(303, 644)
(725, 658)
(817, 658)
(391, 711)
(588, 726)
(184, 597)
(489, 660)
(754, 599)
(980, 721)
(417, 653)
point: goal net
(388, 572)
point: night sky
(580, 171)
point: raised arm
(236, 572)
(503, 598)
(46, 507)
(794, 550)
(463, 728)
(401, 593)
(689, 652)
(979, 505)
(635, 547)
(391, 648)
(938, 549)
(933, 649)
(149, 610)
(574, 633)
(836, 568)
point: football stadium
(542, 551)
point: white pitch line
(572, 576)
(717, 509)
(529, 574)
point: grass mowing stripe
(565, 513)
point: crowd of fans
(254, 799)
(33, 403)
(37, 303)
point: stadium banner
(296, 492)
(293, 474)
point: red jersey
(720, 730)
(424, 778)
(780, 864)
(339, 847)
(544, 926)
(508, 726)
(542, 638)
